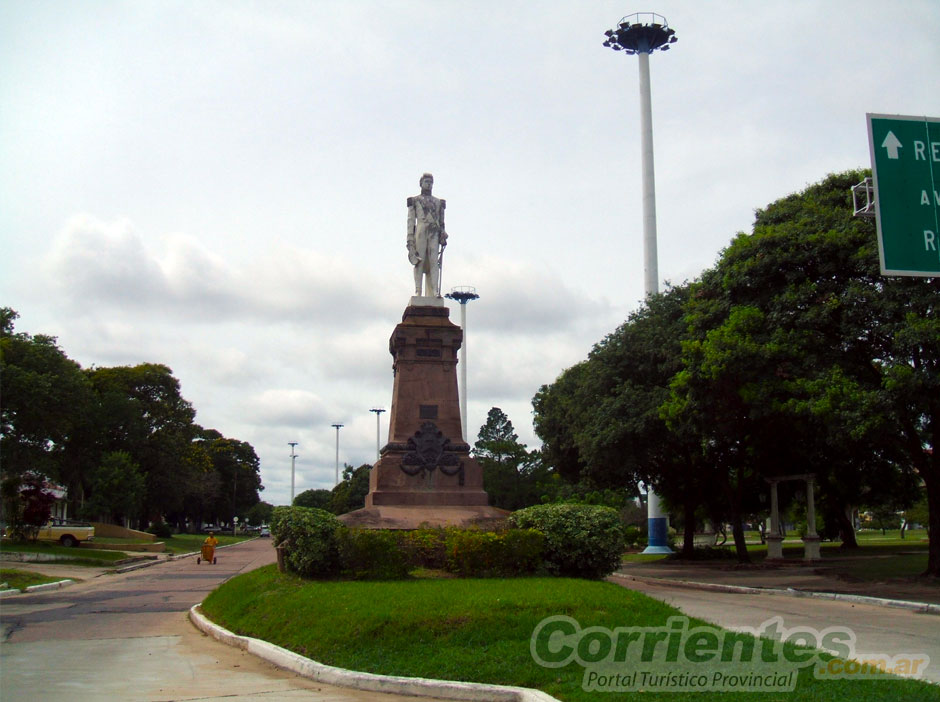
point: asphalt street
(127, 637)
(878, 630)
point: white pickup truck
(66, 532)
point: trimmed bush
(161, 530)
(580, 540)
(369, 554)
(425, 548)
(632, 536)
(310, 540)
(515, 552)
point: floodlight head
(463, 294)
(641, 33)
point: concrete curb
(57, 585)
(138, 566)
(419, 687)
(921, 607)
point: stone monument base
(411, 517)
(424, 301)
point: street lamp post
(463, 295)
(293, 456)
(378, 413)
(642, 34)
(337, 427)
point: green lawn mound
(475, 630)
(22, 579)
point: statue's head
(426, 182)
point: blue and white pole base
(658, 526)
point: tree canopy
(513, 476)
(123, 439)
(791, 355)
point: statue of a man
(426, 237)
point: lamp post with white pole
(378, 413)
(642, 34)
(337, 427)
(293, 456)
(463, 295)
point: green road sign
(905, 164)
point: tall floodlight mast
(463, 295)
(337, 427)
(642, 34)
(293, 456)
(378, 413)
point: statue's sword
(440, 269)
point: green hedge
(425, 547)
(310, 539)
(511, 553)
(370, 554)
(580, 540)
(563, 539)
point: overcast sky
(220, 186)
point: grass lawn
(879, 556)
(72, 556)
(473, 630)
(21, 579)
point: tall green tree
(320, 499)
(513, 476)
(803, 358)
(239, 475)
(144, 414)
(351, 492)
(260, 514)
(117, 489)
(46, 399)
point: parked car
(66, 532)
(265, 531)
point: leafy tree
(917, 513)
(802, 354)
(884, 518)
(559, 409)
(117, 489)
(314, 498)
(45, 400)
(145, 415)
(27, 503)
(613, 421)
(796, 356)
(238, 469)
(513, 477)
(260, 514)
(202, 486)
(351, 492)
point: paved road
(128, 637)
(879, 630)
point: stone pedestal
(774, 547)
(811, 548)
(425, 474)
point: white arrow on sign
(892, 145)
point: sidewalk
(795, 575)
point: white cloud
(289, 408)
(246, 167)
